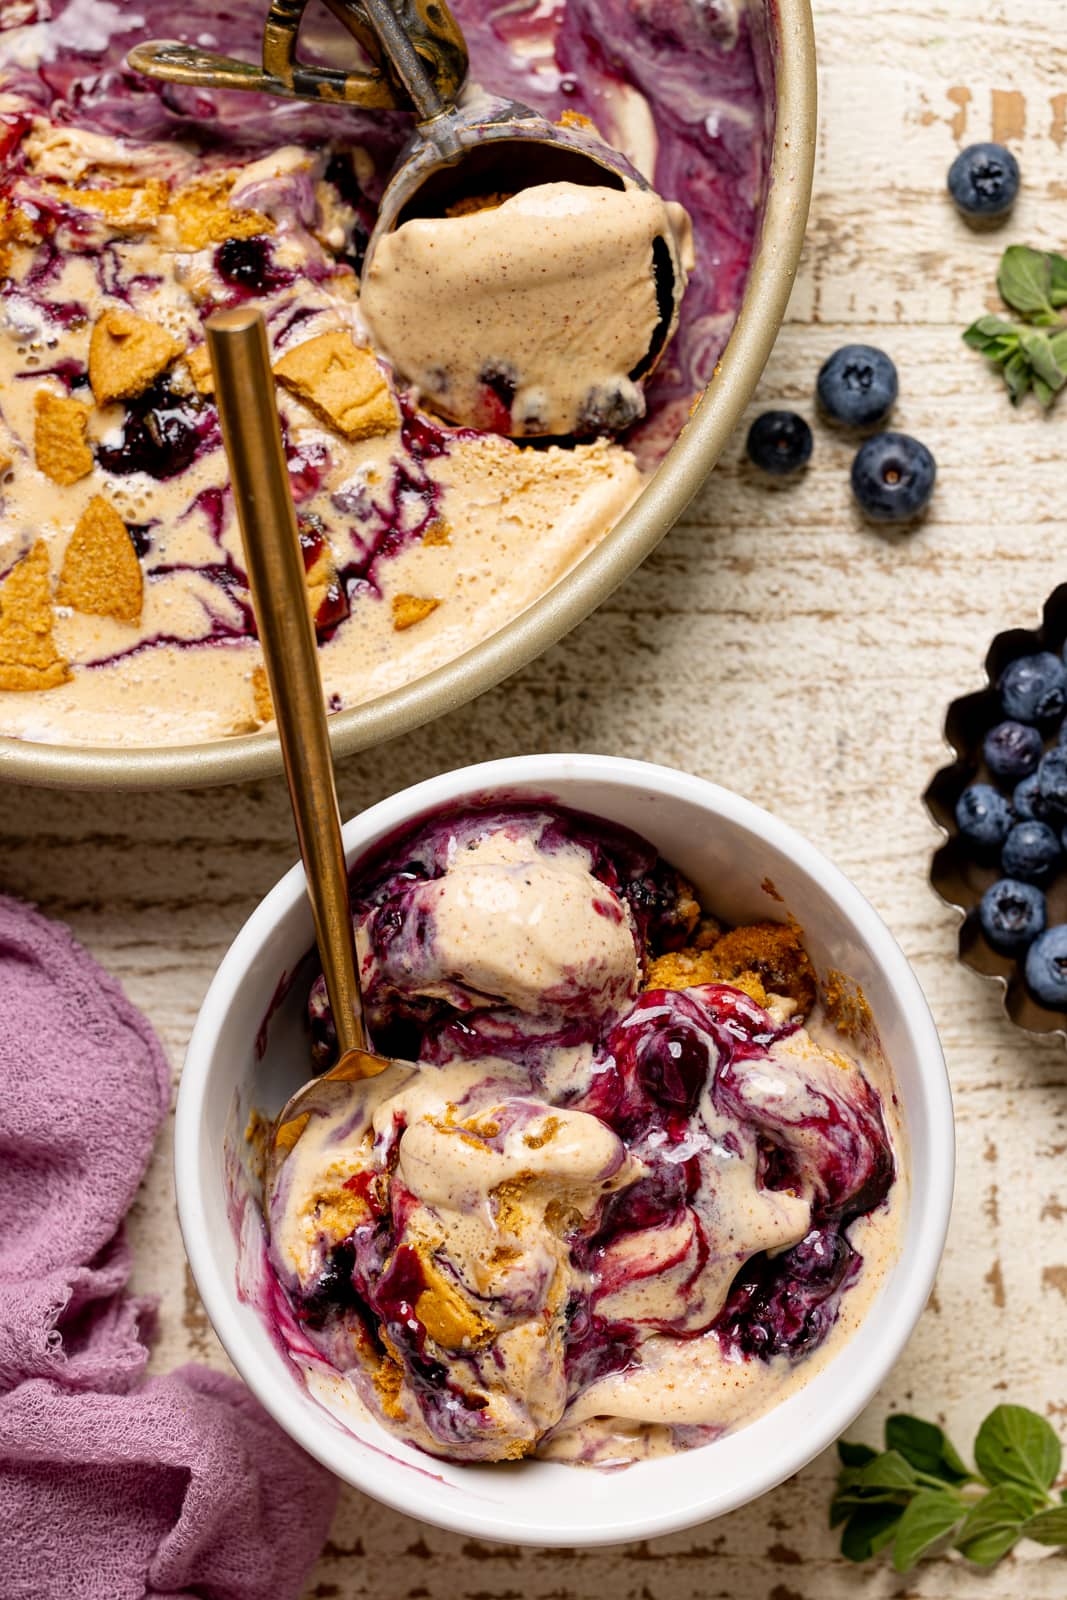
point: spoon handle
(244, 389)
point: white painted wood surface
(779, 645)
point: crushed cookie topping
(101, 574)
(408, 609)
(60, 446)
(127, 353)
(342, 384)
(29, 658)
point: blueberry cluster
(892, 473)
(1025, 829)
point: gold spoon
(244, 391)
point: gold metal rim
(615, 558)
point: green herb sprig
(1032, 353)
(919, 1495)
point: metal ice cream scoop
(463, 144)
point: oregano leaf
(1016, 1446)
(929, 1518)
(1037, 348)
(1048, 1527)
(868, 1530)
(925, 1446)
(853, 1454)
(1017, 376)
(994, 1524)
(1057, 278)
(1044, 392)
(1025, 280)
(887, 1471)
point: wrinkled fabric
(181, 1487)
(111, 1485)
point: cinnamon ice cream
(129, 212)
(534, 313)
(625, 1199)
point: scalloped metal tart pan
(954, 874)
(691, 458)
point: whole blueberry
(1034, 688)
(1025, 801)
(246, 263)
(1052, 782)
(984, 181)
(1046, 967)
(893, 477)
(607, 409)
(779, 442)
(1012, 750)
(1030, 852)
(857, 386)
(1012, 915)
(983, 816)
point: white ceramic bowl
(727, 847)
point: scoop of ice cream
(435, 1208)
(494, 1269)
(539, 313)
(509, 923)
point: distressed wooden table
(777, 644)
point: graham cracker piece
(411, 608)
(578, 119)
(16, 227)
(203, 214)
(261, 700)
(773, 954)
(342, 384)
(101, 573)
(127, 353)
(388, 1380)
(682, 969)
(59, 441)
(200, 370)
(477, 202)
(320, 577)
(126, 208)
(438, 532)
(28, 655)
(446, 1314)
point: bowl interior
(730, 850)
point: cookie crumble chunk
(127, 353)
(342, 384)
(60, 446)
(28, 655)
(408, 609)
(101, 574)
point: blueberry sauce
(163, 434)
(248, 265)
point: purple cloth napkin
(113, 1487)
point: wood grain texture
(779, 645)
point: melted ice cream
(420, 539)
